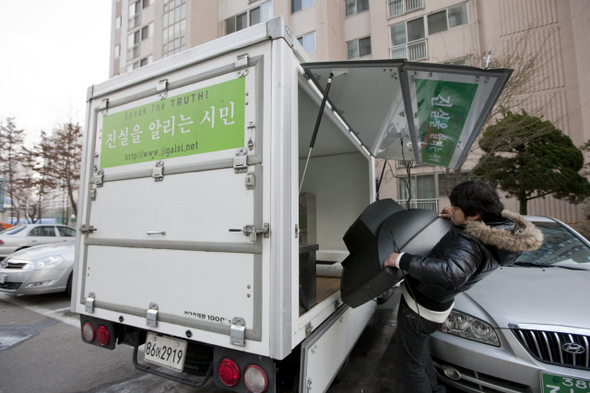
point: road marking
(46, 312)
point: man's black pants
(412, 356)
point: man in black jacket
(482, 238)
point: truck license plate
(165, 351)
(560, 384)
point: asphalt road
(41, 351)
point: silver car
(28, 235)
(37, 270)
(525, 327)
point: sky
(50, 53)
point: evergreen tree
(530, 158)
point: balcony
(428, 204)
(414, 51)
(133, 21)
(133, 52)
(402, 7)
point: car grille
(15, 265)
(13, 286)
(559, 348)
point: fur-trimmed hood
(515, 234)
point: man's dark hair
(477, 197)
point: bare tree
(41, 178)
(11, 140)
(68, 148)
(528, 61)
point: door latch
(253, 232)
(87, 229)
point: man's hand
(391, 260)
(446, 212)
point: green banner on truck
(199, 121)
(443, 107)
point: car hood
(530, 295)
(66, 250)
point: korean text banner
(200, 121)
(443, 107)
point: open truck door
(428, 113)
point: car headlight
(471, 328)
(50, 262)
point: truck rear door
(172, 214)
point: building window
(298, 5)
(174, 27)
(402, 7)
(358, 48)
(448, 182)
(307, 41)
(408, 40)
(118, 21)
(132, 66)
(145, 61)
(251, 17)
(356, 6)
(117, 52)
(134, 14)
(423, 193)
(133, 45)
(447, 19)
(147, 3)
(147, 31)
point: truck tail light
(99, 332)
(255, 379)
(88, 332)
(103, 336)
(228, 372)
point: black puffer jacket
(464, 256)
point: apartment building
(553, 32)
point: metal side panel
(324, 352)
(198, 207)
(174, 286)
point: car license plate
(3, 278)
(560, 384)
(165, 351)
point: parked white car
(37, 270)
(28, 235)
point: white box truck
(205, 205)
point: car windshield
(15, 230)
(560, 247)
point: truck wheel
(343, 370)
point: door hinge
(98, 179)
(241, 65)
(162, 88)
(152, 315)
(237, 332)
(104, 106)
(241, 160)
(158, 171)
(90, 302)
